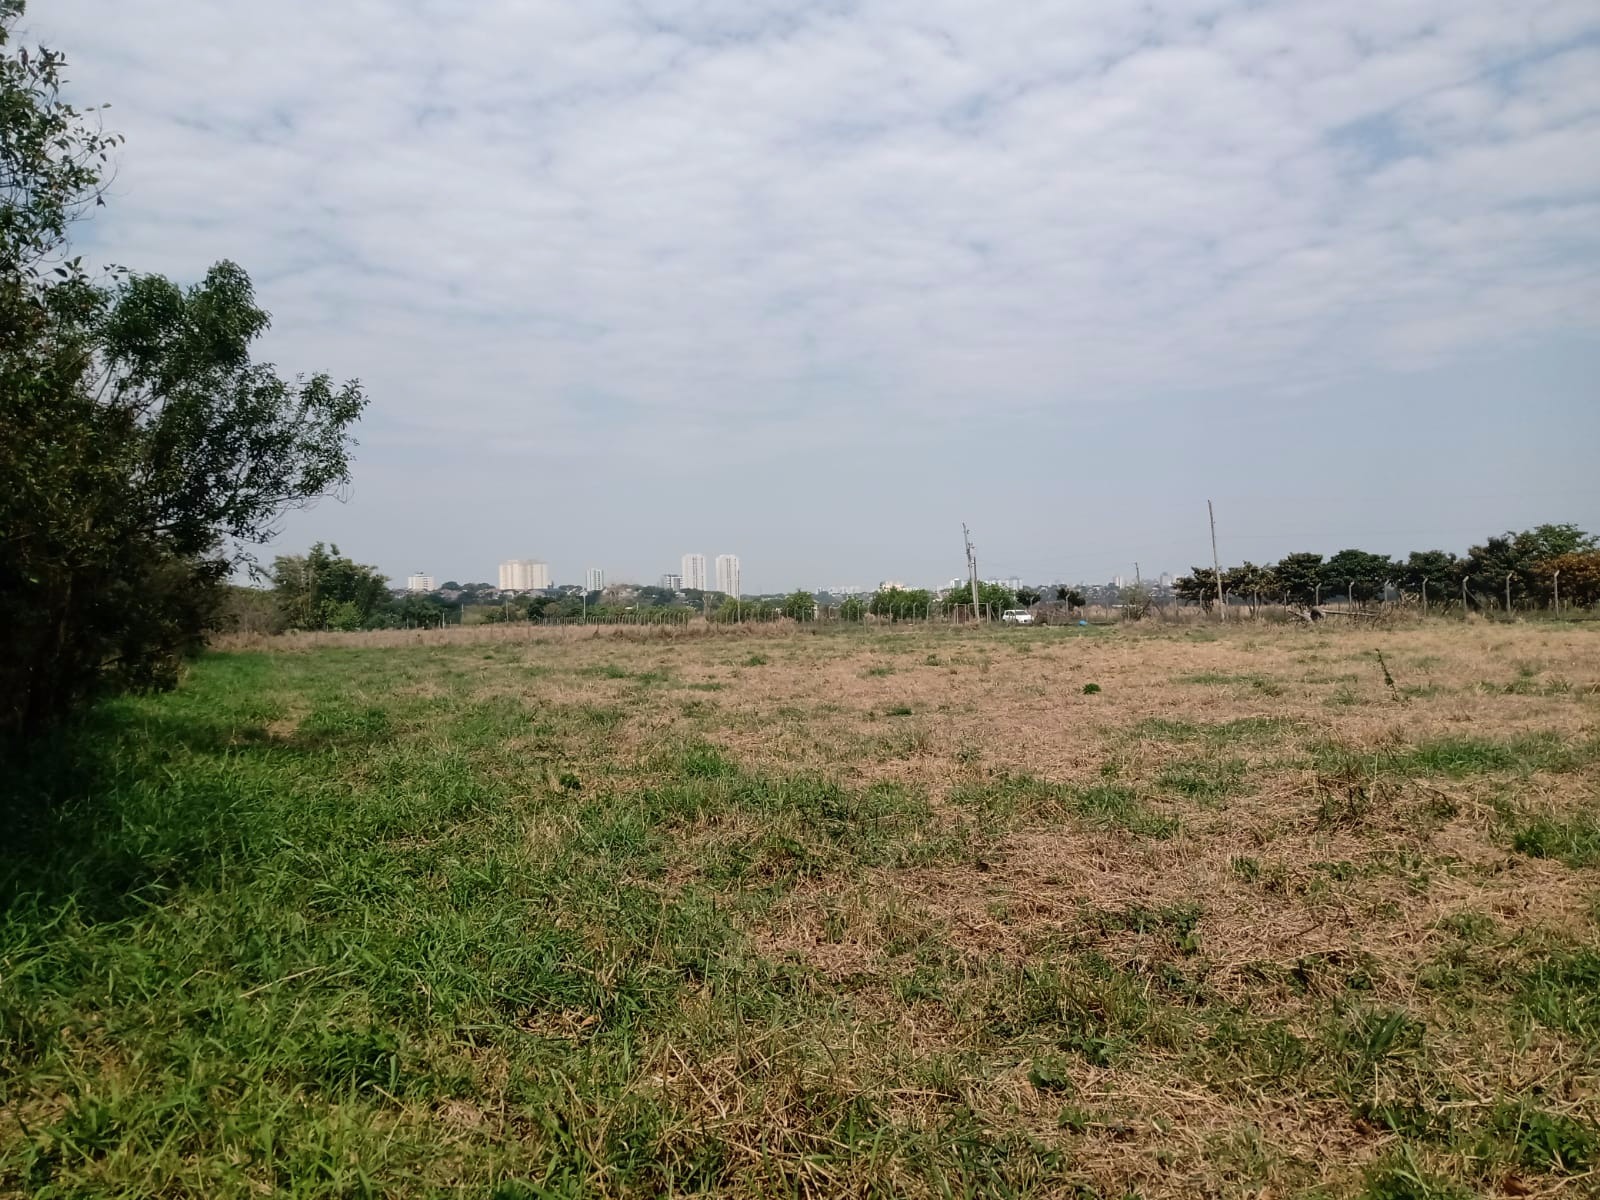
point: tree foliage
(1358, 573)
(322, 589)
(1579, 581)
(1298, 577)
(800, 605)
(900, 604)
(144, 451)
(1199, 586)
(1434, 572)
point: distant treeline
(1529, 569)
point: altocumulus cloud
(529, 225)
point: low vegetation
(516, 914)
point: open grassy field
(1057, 912)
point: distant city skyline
(728, 575)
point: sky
(817, 281)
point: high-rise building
(694, 572)
(419, 583)
(524, 575)
(594, 580)
(728, 574)
(671, 582)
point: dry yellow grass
(1266, 914)
(1262, 708)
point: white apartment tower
(728, 574)
(419, 583)
(594, 580)
(524, 575)
(694, 572)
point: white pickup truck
(1017, 616)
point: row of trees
(143, 451)
(1531, 567)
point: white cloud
(726, 218)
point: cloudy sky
(816, 281)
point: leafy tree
(1579, 581)
(1297, 577)
(1199, 586)
(1250, 582)
(994, 596)
(853, 608)
(1359, 573)
(1439, 570)
(800, 605)
(1486, 566)
(652, 596)
(1521, 555)
(1552, 541)
(320, 587)
(900, 604)
(413, 611)
(1028, 597)
(143, 450)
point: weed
(1398, 1176)
(1388, 679)
(1204, 779)
(1562, 991)
(1575, 842)
(1543, 1141)
(1091, 689)
(1246, 868)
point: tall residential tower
(728, 574)
(694, 572)
(524, 575)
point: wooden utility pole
(972, 568)
(1216, 563)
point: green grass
(1575, 842)
(1012, 800)
(1242, 731)
(1461, 757)
(1204, 778)
(1263, 684)
(445, 921)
